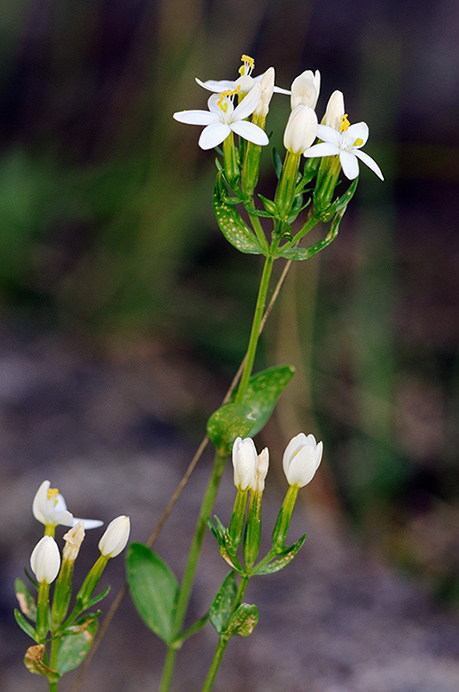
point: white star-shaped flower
(345, 143)
(246, 82)
(49, 508)
(222, 118)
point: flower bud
(244, 462)
(73, 540)
(267, 89)
(334, 111)
(115, 537)
(301, 459)
(258, 481)
(305, 89)
(45, 560)
(301, 129)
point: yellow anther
(53, 493)
(344, 123)
(224, 96)
(247, 67)
(358, 142)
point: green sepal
(96, 599)
(244, 621)
(305, 253)
(270, 206)
(225, 544)
(76, 642)
(231, 223)
(263, 391)
(26, 601)
(24, 624)
(280, 560)
(227, 423)
(154, 589)
(223, 603)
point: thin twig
(174, 498)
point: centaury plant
(305, 197)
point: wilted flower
(45, 560)
(301, 459)
(258, 481)
(305, 89)
(115, 537)
(73, 540)
(245, 461)
(50, 509)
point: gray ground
(338, 619)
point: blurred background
(124, 312)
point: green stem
(193, 557)
(223, 640)
(53, 686)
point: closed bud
(334, 111)
(45, 560)
(301, 129)
(244, 462)
(305, 89)
(301, 459)
(115, 537)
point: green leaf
(243, 621)
(227, 423)
(153, 588)
(24, 624)
(76, 643)
(305, 253)
(282, 559)
(231, 223)
(263, 391)
(223, 603)
(25, 599)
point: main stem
(212, 488)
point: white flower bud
(305, 89)
(73, 540)
(244, 462)
(115, 537)
(267, 88)
(301, 129)
(258, 482)
(334, 111)
(45, 560)
(301, 459)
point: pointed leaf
(231, 223)
(243, 621)
(227, 423)
(282, 559)
(76, 643)
(263, 391)
(153, 588)
(223, 603)
(24, 624)
(25, 599)
(305, 253)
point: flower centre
(226, 97)
(344, 123)
(52, 495)
(248, 65)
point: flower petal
(247, 105)
(250, 131)
(213, 135)
(371, 163)
(322, 149)
(349, 164)
(357, 131)
(329, 134)
(195, 117)
(217, 85)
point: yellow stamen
(344, 123)
(53, 493)
(223, 100)
(358, 142)
(247, 67)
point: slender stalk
(53, 686)
(193, 557)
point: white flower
(222, 118)
(257, 483)
(334, 113)
(301, 459)
(346, 144)
(245, 462)
(245, 81)
(45, 560)
(301, 129)
(305, 89)
(50, 509)
(266, 89)
(115, 537)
